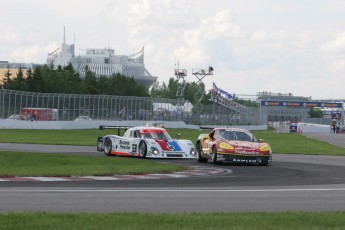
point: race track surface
(292, 182)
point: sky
(278, 46)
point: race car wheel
(142, 149)
(199, 153)
(214, 155)
(107, 146)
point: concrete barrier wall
(321, 121)
(18, 124)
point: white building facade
(103, 62)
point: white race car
(142, 141)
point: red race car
(233, 145)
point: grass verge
(290, 143)
(293, 143)
(199, 221)
(47, 164)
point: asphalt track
(291, 183)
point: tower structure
(180, 74)
(199, 95)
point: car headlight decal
(192, 152)
(265, 148)
(154, 150)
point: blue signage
(310, 104)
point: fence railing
(67, 107)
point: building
(286, 107)
(103, 62)
(283, 107)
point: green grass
(86, 137)
(198, 221)
(46, 164)
(293, 143)
(54, 137)
(290, 143)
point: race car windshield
(233, 135)
(159, 135)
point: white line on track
(173, 190)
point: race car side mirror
(178, 135)
(260, 140)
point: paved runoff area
(337, 139)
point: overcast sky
(279, 46)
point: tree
(158, 90)
(46, 79)
(316, 113)
(90, 81)
(20, 81)
(16, 83)
(169, 91)
(35, 80)
(191, 90)
(6, 82)
(247, 103)
(155, 90)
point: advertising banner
(310, 104)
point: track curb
(194, 172)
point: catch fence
(67, 107)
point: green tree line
(46, 79)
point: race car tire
(214, 156)
(199, 153)
(142, 149)
(107, 146)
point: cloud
(198, 42)
(339, 64)
(337, 45)
(260, 35)
(31, 54)
(275, 36)
(280, 47)
(9, 38)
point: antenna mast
(64, 35)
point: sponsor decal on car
(124, 144)
(134, 148)
(247, 152)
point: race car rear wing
(101, 127)
(205, 127)
(210, 128)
